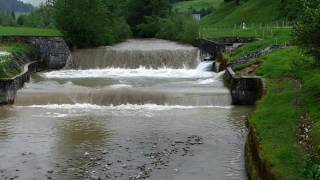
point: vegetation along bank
(284, 129)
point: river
(100, 119)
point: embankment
(246, 90)
(49, 53)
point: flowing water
(125, 122)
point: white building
(196, 17)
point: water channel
(104, 116)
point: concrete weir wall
(50, 53)
(244, 90)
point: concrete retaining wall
(10, 86)
(52, 51)
(244, 90)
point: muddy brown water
(116, 123)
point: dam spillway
(151, 53)
(103, 116)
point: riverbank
(22, 55)
(277, 146)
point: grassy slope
(260, 17)
(252, 11)
(24, 31)
(7, 70)
(277, 116)
(196, 4)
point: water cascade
(149, 53)
(140, 109)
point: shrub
(179, 28)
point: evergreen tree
(306, 32)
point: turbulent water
(124, 123)
(152, 53)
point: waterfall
(149, 53)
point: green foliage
(43, 17)
(7, 19)
(18, 48)
(7, 70)
(149, 27)
(89, 23)
(306, 32)
(291, 9)
(144, 16)
(312, 171)
(179, 28)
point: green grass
(196, 4)
(277, 116)
(16, 48)
(311, 99)
(256, 12)
(7, 69)
(262, 21)
(265, 37)
(290, 76)
(25, 31)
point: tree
(89, 23)
(236, 1)
(179, 27)
(42, 17)
(306, 32)
(144, 16)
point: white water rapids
(142, 109)
(199, 72)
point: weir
(150, 109)
(150, 53)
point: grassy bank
(8, 69)
(25, 31)
(262, 20)
(196, 5)
(292, 81)
(266, 36)
(277, 116)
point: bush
(42, 18)
(306, 32)
(179, 28)
(144, 16)
(89, 23)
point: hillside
(292, 98)
(254, 11)
(15, 5)
(197, 4)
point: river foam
(131, 73)
(154, 107)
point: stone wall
(10, 86)
(52, 51)
(244, 90)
